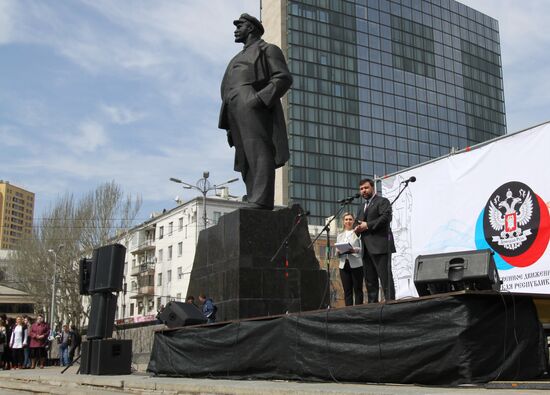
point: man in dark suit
(374, 218)
(252, 86)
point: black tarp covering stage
(449, 339)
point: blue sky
(100, 90)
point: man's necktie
(366, 205)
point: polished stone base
(233, 265)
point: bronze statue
(253, 84)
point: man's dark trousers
(374, 266)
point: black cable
(327, 354)
(296, 347)
(380, 342)
(515, 332)
(505, 337)
(325, 291)
(235, 349)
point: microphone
(349, 199)
(303, 214)
(410, 179)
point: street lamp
(52, 310)
(203, 186)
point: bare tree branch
(72, 229)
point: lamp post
(52, 309)
(203, 186)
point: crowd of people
(24, 343)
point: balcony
(148, 244)
(143, 269)
(145, 290)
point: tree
(69, 230)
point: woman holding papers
(348, 245)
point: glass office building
(380, 85)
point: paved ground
(51, 381)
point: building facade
(16, 213)
(379, 86)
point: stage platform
(448, 339)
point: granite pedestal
(233, 265)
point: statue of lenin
(252, 86)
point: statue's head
(247, 25)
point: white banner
(496, 196)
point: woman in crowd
(26, 349)
(9, 324)
(351, 264)
(39, 337)
(17, 342)
(3, 341)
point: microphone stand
(285, 241)
(297, 222)
(388, 251)
(328, 248)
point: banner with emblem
(495, 195)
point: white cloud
(138, 171)
(122, 115)
(5, 21)
(194, 25)
(90, 136)
(142, 36)
(179, 47)
(6, 9)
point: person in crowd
(17, 341)
(64, 341)
(39, 338)
(3, 341)
(374, 218)
(9, 324)
(191, 300)
(26, 349)
(76, 340)
(351, 264)
(208, 308)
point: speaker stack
(100, 277)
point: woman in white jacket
(17, 342)
(351, 264)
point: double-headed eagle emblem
(506, 217)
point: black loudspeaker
(177, 314)
(85, 356)
(84, 273)
(110, 356)
(102, 316)
(455, 271)
(107, 268)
